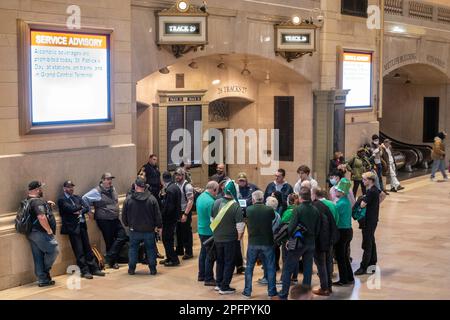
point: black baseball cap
(140, 182)
(166, 176)
(68, 184)
(35, 184)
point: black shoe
(400, 188)
(171, 264)
(210, 283)
(240, 270)
(339, 284)
(114, 266)
(393, 189)
(131, 272)
(153, 272)
(87, 275)
(227, 291)
(187, 256)
(98, 273)
(46, 283)
(200, 279)
(159, 256)
(163, 261)
(385, 192)
(360, 272)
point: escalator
(409, 156)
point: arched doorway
(415, 108)
(233, 91)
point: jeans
(306, 252)
(205, 264)
(268, 255)
(324, 262)
(168, 238)
(284, 253)
(82, 250)
(184, 236)
(115, 237)
(343, 255)
(150, 246)
(369, 246)
(379, 169)
(225, 263)
(438, 165)
(45, 249)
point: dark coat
(67, 209)
(329, 232)
(171, 204)
(140, 212)
(153, 179)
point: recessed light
(296, 20)
(164, 70)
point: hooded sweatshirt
(140, 212)
(438, 152)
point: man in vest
(152, 175)
(228, 227)
(184, 226)
(104, 198)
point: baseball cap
(166, 176)
(140, 182)
(180, 171)
(107, 175)
(68, 183)
(35, 184)
(242, 176)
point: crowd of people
(299, 225)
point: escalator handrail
(406, 145)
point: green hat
(230, 189)
(343, 186)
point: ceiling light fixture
(221, 64)
(215, 82)
(164, 70)
(267, 79)
(193, 65)
(245, 71)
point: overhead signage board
(178, 30)
(357, 77)
(295, 39)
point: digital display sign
(182, 28)
(295, 38)
(357, 76)
(69, 77)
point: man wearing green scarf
(227, 226)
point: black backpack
(23, 222)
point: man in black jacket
(152, 175)
(140, 212)
(72, 210)
(170, 212)
(323, 255)
(368, 224)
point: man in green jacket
(204, 206)
(308, 216)
(228, 227)
(260, 243)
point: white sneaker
(227, 291)
(217, 288)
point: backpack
(23, 221)
(99, 259)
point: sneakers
(393, 189)
(98, 273)
(171, 264)
(131, 272)
(153, 272)
(400, 188)
(360, 272)
(263, 281)
(46, 283)
(114, 266)
(87, 275)
(245, 296)
(216, 288)
(240, 270)
(210, 284)
(227, 291)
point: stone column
(328, 129)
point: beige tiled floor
(413, 240)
